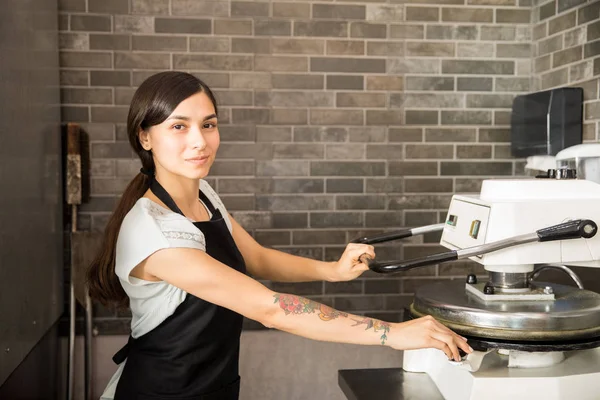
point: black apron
(194, 353)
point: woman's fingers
(459, 340)
(448, 341)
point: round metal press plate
(573, 315)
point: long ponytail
(152, 103)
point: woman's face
(186, 142)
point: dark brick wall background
(339, 118)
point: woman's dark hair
(152, 103)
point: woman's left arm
(271, 264)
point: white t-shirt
(147, 228)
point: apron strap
(122, 354)
(166, 198)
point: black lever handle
(404, 233)
(579, 228)
(388, 267)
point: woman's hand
(426, 332)
(349, 267)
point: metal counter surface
(387, 384)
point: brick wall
(338, 119)
(567, 39)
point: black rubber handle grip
(389, 267)
(579, 228)
(384, 237)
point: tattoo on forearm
(292, 304)
(377, 326)
(299, 305)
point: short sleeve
(148, 228)
(216, 201)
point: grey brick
(347, 168)
(385, 185)
(576, 37)
(414, 66)
(427, 185)
(294, 99)
(346, 47)
(212, 62)
(290, 220)
(298, 185)
(422, 14)
(550, 45)
(408, 168)
(450, 135)
(116, 114)
(291, 202)
(250, 45)
(385, 12)
(581, 71)
(430, 49)
(420, 218)
(249, 9)
(74, 114)
(86, 96)
(345, 82)
(243, 185)
(476, 168)
(63, 22)
(388, 83)
(133, 24)
(433, 83)
(446, 32)
(336, 117)
(142, 60)
(236, 133)
(592, 110)
(250, 115)
(513, 84)
(377, 286)
(321, 28)
(209, 44)
(362, 100)
(511, 16)
(99, 204)
(384, 151)
(422, 117)
(540, 31)
(73, 78)
(291, 10)
(213, 79)
(513, 50)
(387, 117)
(333, 64)
(468, 185)
(76, 59)
(431, 151)
(275, 238)
(352, 287)
(344, 12)
(349, 185)
(108, 6)
(289, 116)
(111, 150)
(475, 84)
(232, 27)
(336, 220)
(498, 33)
(502, 117)
(405, 135)
(473, 151)
(427, 100)
(591, 49)
(109, 42)
(183, 25)
(466, 118)
(464, 14)
(406, 31)
(368, 30)
(567, 4)
(280, 63)
(320, 134)
(567, 56)
(366, 134)
(360, 202)
(555, 78)
(159, 43)
(478, 67)
(73, 41)
(319, 236)
(548, 10)
(272, 28)
(588, 13)
(282, 168)
(418, 202)
(204, 8)
(381, 219)
(390, 49)
(253, 219)
(71, 5)
(502, 152)
(298, 151)
(228, 168)
(297, 81)
(489, 100)
(562, 23)
(90, 23)
(298, 46)
(493, 2)
(102, 186)
(234, 97)
(475, 50)
(152, 7)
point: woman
(182, 264)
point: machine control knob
(566, 173)
(472, 279)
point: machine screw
(472, 279)
(548, 290)
(488, 289)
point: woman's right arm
(195, 272)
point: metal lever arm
(386, 237)
(569, 230)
